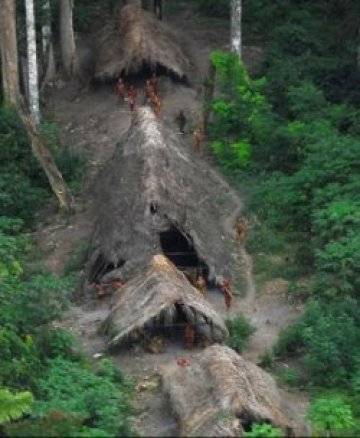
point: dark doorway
(179, 248)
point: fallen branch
(47, 162)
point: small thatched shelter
(155, 197)
(135, 40)
(221, 394)
(157, 301)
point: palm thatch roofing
(155, 197)
(134, 39)
(220, 393)
(157, 298)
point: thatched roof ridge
(218, 381)
(152, 185)
(151, 298)
(134, 38)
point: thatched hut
(155, 197)
(221, 394)
(137, 40)
(161, 301)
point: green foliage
(14, 406)
(23, 184)
(21, 187)
(264, 430)
(56, 424)
(240, 331)
(214, 8)
(328, 337)
(103, 398)
(241, 114)
(330, 414)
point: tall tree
(155, 6)
(32, 62)
(47, 45)
(68, 47)
(9, 53)
(235, 31)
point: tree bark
(47, 46)
(235, 32)
(44, 156)
(68, 47)
(32, 63)
(9, 53)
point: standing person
(154, 82)
(132, 103)
(149, 91)
(181, 120)
(121, 89)
(199, 138)
(132, 91)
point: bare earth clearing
(92, 123)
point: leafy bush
(328, 339)
(263, 431)
(240, 331)
(14, 406)
(102, 399)
(330, 414)
(21, 187)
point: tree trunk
(25, 75)
(68, 48)
(235, 37)
(209, 93)
(42, 153)
(159, 9)
(32, 63)
(47, 46)
(9, 53)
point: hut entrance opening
(173, 329)
(102, 267)
(179, 248)
(139, 78)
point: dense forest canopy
(287, 137)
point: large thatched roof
(155, 197)
(154, 299)
(217, 386)
(134, 39)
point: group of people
(130, 94)
(152, 97)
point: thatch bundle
(154, 197)
(219, 385)
(137, 39)
(157, 298)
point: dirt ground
(92, 122)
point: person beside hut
(181, 121)
(200, 284)
(241, 229)
(199, 136)
(121, 89)
(154, 82)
